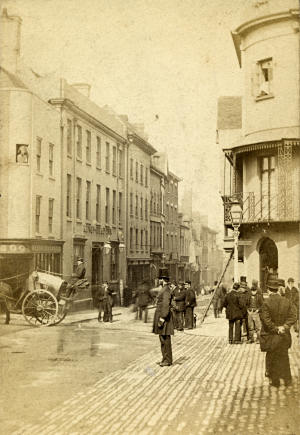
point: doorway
(97, 267)
(268, 261)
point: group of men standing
(271, 316)
(175, 308)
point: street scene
(82, 377)
(149, 217)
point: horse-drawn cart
(44, 299)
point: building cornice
(229, 152)
(258, 22)
(69, 104)
(157, 171)
(141, 143)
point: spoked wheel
(62, 311)
(40, 308)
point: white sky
(170, 58)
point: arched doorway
(268, 260)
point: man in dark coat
(190, 303)
(179, 294)
(277, 316)
(163, 322)
(234, 313)
(107, 302)
(292, 293)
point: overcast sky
(161, 62)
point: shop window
(22, 155)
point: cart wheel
(62, 311)
(40, 308)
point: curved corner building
(259, 134)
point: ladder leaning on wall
(219, 282)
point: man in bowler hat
(163, 322)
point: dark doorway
(268, 261)
(97, 268)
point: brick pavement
(213, 387)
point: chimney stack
(10, 41)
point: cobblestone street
(213, 387)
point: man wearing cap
(277, 316)
(163, 322)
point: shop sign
(97, 229)
(14, 248)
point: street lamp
(236, 215)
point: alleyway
(211, 388)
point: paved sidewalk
(213, 387)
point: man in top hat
(163, 322)
(277, 315)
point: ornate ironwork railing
(259, 207)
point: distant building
(262, 153)
(62, 177)
(158, 174)
(138, 200)
(172, 229)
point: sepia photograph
(149, 217)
